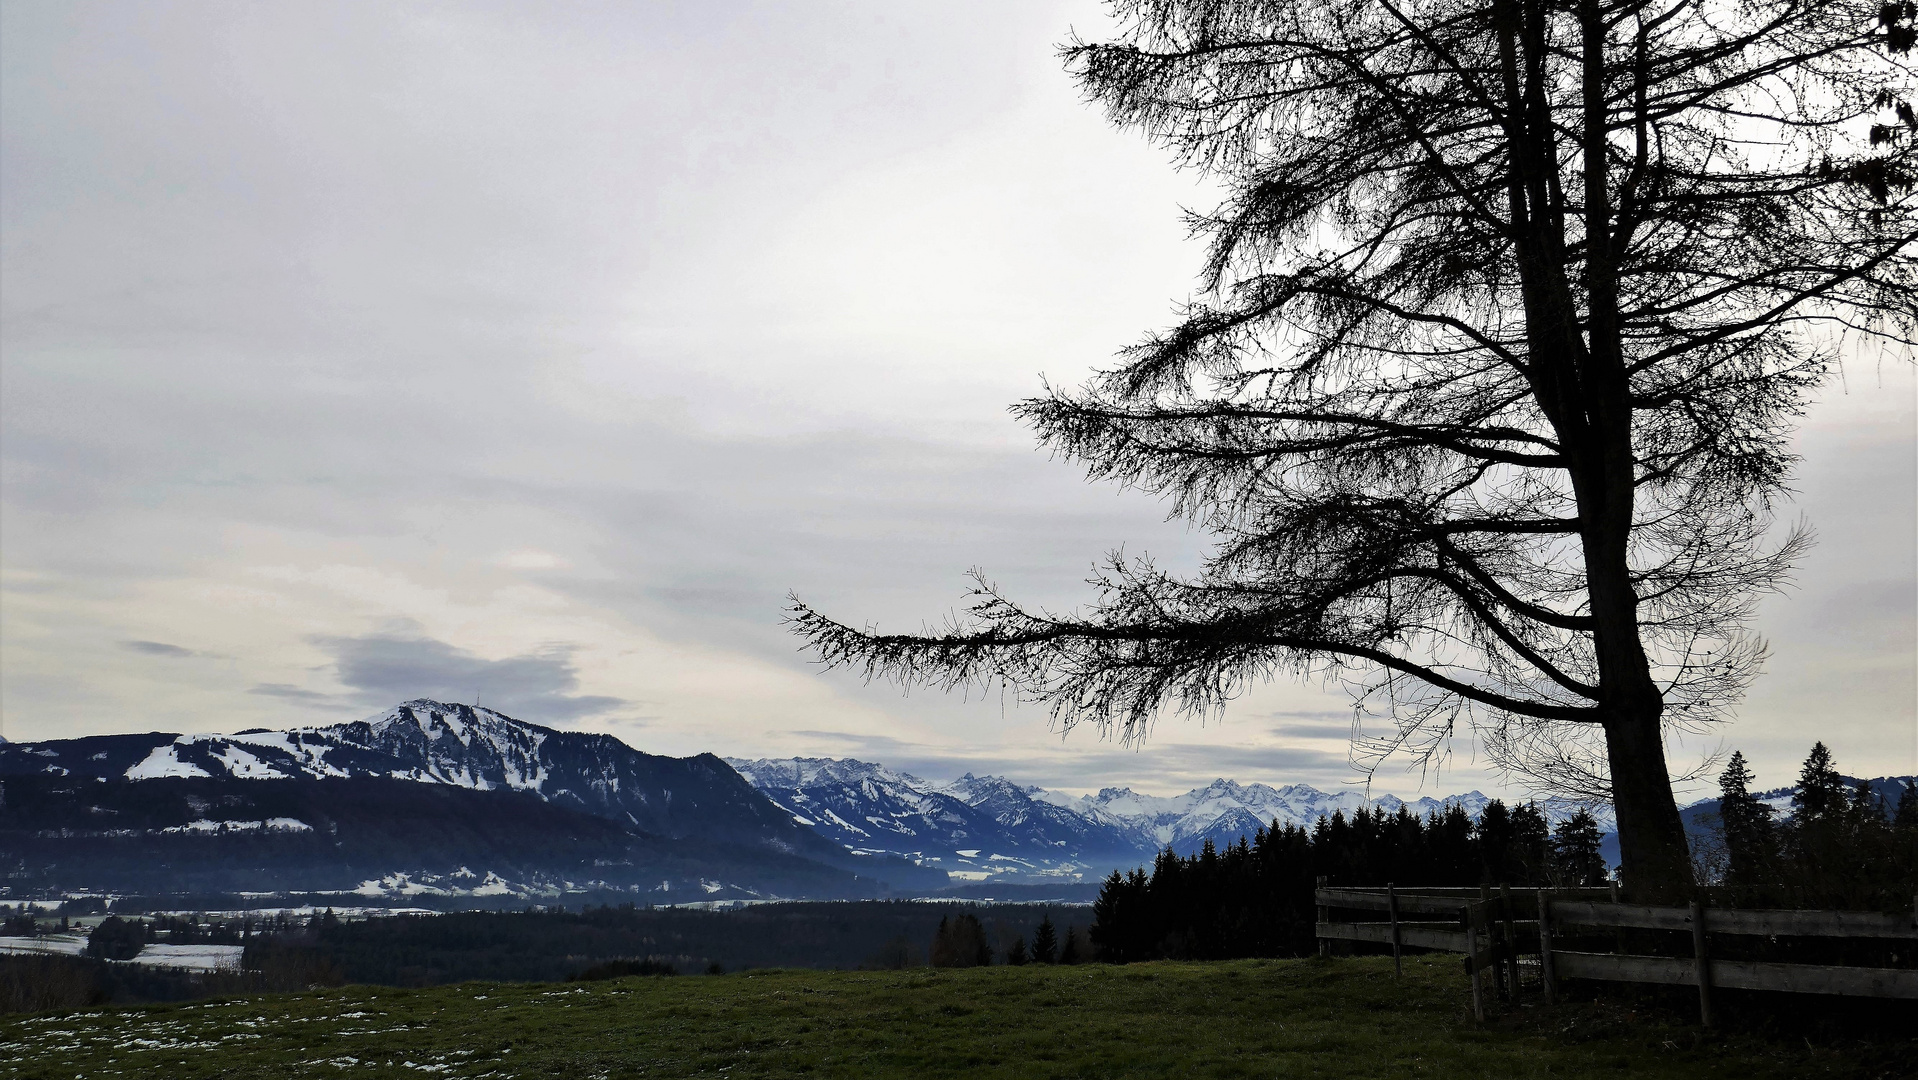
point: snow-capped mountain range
(431, 790)
(882, 824)
(459, 746)
(988, 827)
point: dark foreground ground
(1281, 1018)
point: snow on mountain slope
(1224, 810)
(460, 746)
(221, 835)
(975, 829)
(427, 740)
(980, 827)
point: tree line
(963, 941)
(1254, 898)
(1841, 846)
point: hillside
(1341, 1019)
(432, 796)
(365, 838)
(452, 745)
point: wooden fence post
(1492, 939)
(1474, 918)
(1618, 936)
(1325, 944)
(1545, 946)
(1701, 964)
(1511, 937)
(1392, 905)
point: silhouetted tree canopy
(1747, 824)
(960, 941)
(1045, 942)
(1841, 846)
(1488, 392)
(1255, 897)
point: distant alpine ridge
(981, 828)
(470, 802)
(457, 745)
(434, 798)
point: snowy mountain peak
(801, 772)
(457, 745)
(974, 790)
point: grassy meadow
(1282, 1018)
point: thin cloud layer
(381, 669)
(159, 648)
(357, 353)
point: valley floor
(1278, 1018)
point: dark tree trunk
(1651, 836)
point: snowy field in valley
(61, 944)
(179, 957)
(191, 957)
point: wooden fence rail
(1487, 930)
(1780, 923)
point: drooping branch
(1107, 662)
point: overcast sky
(360, 352)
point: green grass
(1304, 1018)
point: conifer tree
(1495, 841)
(1907, 813)
(1045, 940)
(976, 937)
(1866, 807)
(1072, 952)
(1531, 844)
(1575, 851)
(943, 953)
(1746, 822)
(1821, 791)
(1016, 953)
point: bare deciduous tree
(1487, 398)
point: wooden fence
(1498, 931)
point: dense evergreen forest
(1255, 897)
(1840, 847)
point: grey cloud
(384, 669)
(160, 648)
(286, 692)
(1314, 731)
(528, 280)
(1156, 769)
(882, 749)
(1159, 769)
